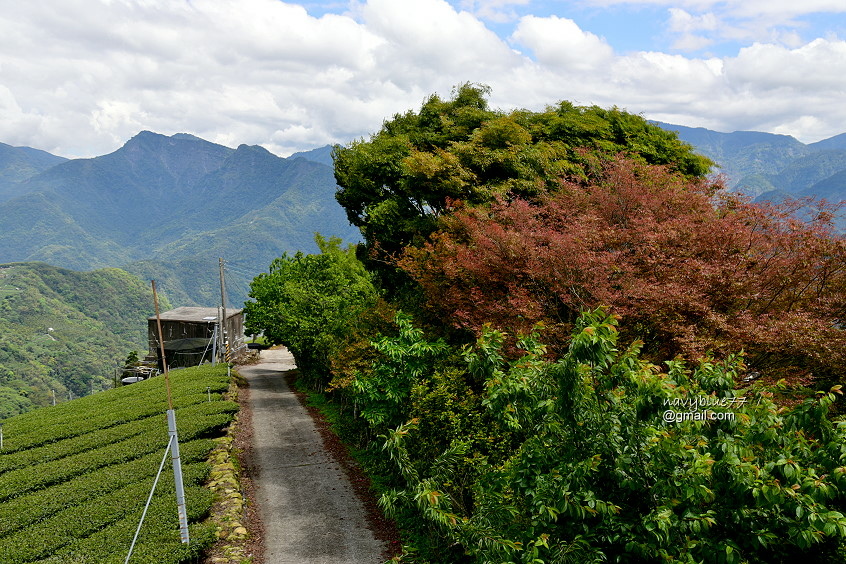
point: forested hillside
(566, 343)
(20, 163)
(774, 168)
(63, 332)
(169, 207)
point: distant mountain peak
(145, 134)
(147, 138)
(322, 155)
(244, 148)
(186, 136)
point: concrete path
(309, 510)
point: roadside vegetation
(74, 478)
(565, 342)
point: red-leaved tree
(690, 269)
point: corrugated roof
(194, 314)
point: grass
(74, 478)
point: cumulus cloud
(819, 66)
(559, 42)
(79, 77)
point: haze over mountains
(167, 208)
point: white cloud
(79, 77)
(682, 21)
(689, 42)
(696, 24)
(819, 66)
(559, 42)
(740, 8)
(493, 10)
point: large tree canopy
(689, 272)
(396, 184)
(551, 227)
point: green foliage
(396, 185)
(689, 270)
(75, 477)
(310, 302)
(384, 392)
(610, 458)
(64, 331)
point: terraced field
(74, 478)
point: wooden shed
(189, 332)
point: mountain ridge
(172, 199)
(770, 167)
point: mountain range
(771, 167)
(167, 207)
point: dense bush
(600, 456)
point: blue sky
(79, 77)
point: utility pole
(224, 348)
(172, 448)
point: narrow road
(309, 510)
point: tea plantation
(74, 478)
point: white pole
(214, 346)
(223, 331)
(177, 475)
(1, 437)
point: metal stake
(174, 438)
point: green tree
(397, 184)
(310, 302)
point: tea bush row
(194, 423)
(34, 506)
(158, 543)
(74, 445)
(111, 407)
(45, 537)
(74, 483)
